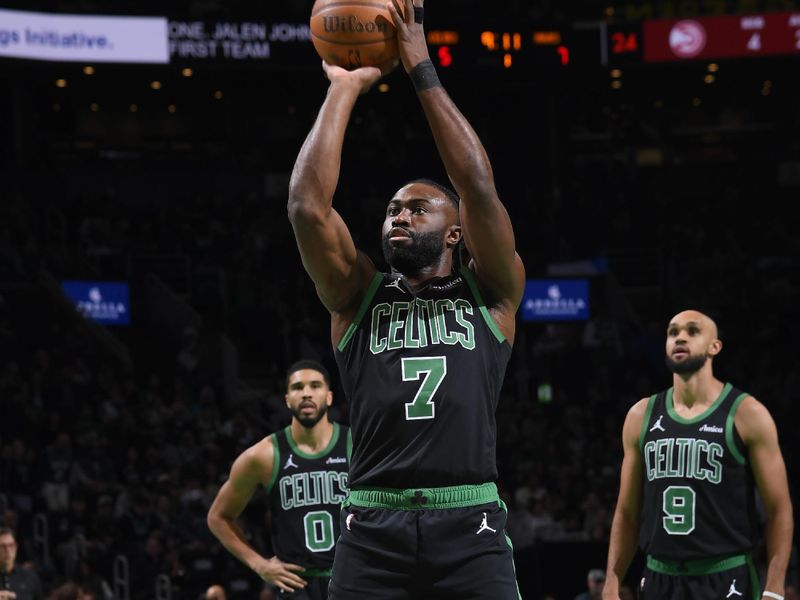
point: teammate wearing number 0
(422, 350)
(303, 469)
(694, 456)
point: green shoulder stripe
(730, 427)
(276, 462)
(473, 286)
(351, 330)
(646, 420)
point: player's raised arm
(485, 223)
(329, 255)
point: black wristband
(424, 76)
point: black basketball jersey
(305, 495)
(422, 372)
(699, 494)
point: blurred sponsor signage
(106, 302)
(556, 300)
(83, 38)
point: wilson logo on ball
(352, 24)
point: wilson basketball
(353, 33)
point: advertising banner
(106, 302)
(556, 300)
(83, 38)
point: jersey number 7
(434, 368)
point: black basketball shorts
(424, 544)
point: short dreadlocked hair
(448, 193)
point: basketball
(353, 33)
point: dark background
(686, 190)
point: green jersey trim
(315, 573)
(693, 568)
(510, 545)
(730, 427)
(351, 330)
(755, 584)
(349, 443)
(646, 421)
(473, 286)
(676, 417)
(276, 461)
(300, 453)
(456, 496)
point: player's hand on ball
(364, 77)
(411, 42)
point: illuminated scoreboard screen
(704, 38)
(514, 47)
(504, 48)
(602, 44)
(721, 37)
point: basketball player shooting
(422, 350)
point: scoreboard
(452, 46)
(513, 46)
(704, 38)
(502, 48)
(611, 44)
(722, 37)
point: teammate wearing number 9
(694, 456)
(303, 470)
(422, 350)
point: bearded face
(687, 366)
(413, 254)
(308, 396)
(306, 416)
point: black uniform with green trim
(698, 508)
(422, 371)
(305, 495)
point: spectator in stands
(595, 580)
(215, 592)
(19, 474)
(58, 462)
(70, 591)
(145, 567)
(16, 582)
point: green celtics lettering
(312, 488)
(418, 323)
(683, 458)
